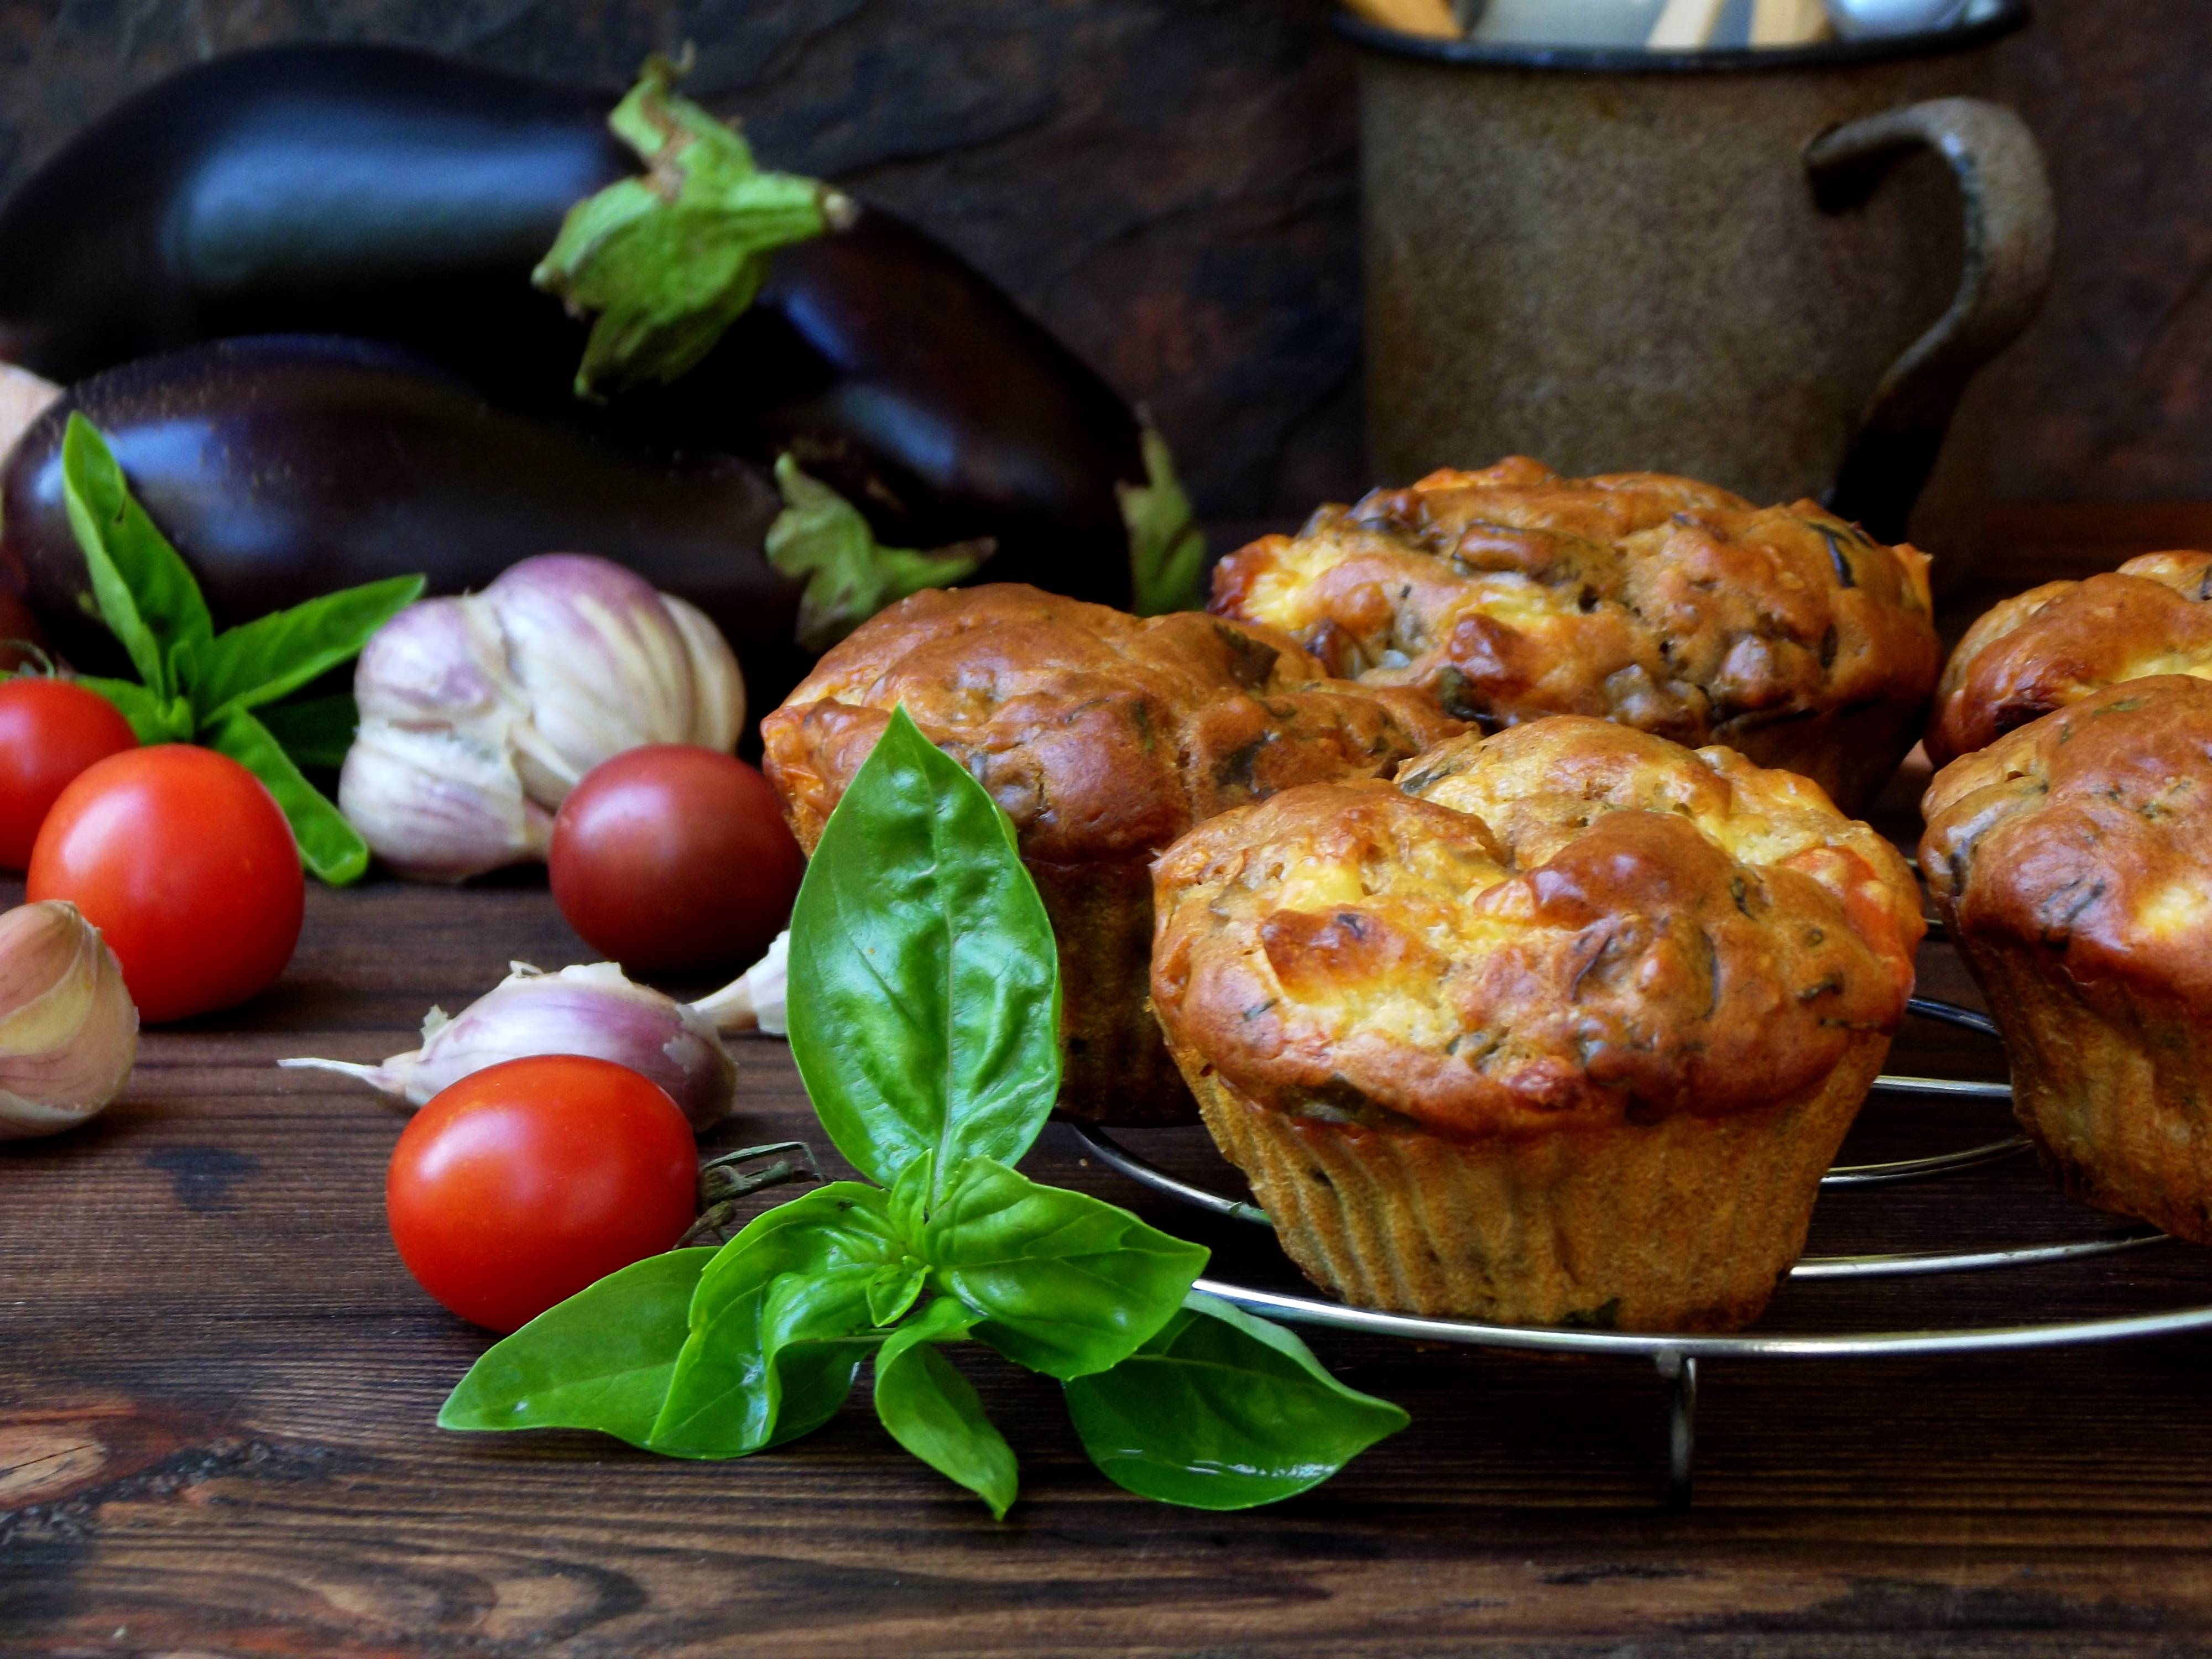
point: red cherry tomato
(186, 864)
(522, 1184)
(673, 856)
(50, 731)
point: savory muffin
(2056, 644)
(2072, 861)
(1562, 1026)
(1104, 737)
(1663, 604)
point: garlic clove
(755, 999)
(718, 694)
(439, 662)
(437, 805)
(602, 664)
(592, 1010)
(69, 1031)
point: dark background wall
(1171, 185)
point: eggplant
(392, 195)
(284, 467)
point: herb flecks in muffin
(2071, 859)
(1663, 604)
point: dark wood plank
(217, 1388)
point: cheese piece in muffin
(1659, 602)
(1562, 1025)
(1104, 737)
(2072, 861)
(2056, 644)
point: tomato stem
(723, 1180)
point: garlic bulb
(69, 1033)
(479, 714)
(593, 1011)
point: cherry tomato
(673, 856)
(50, 731)
(186, 864)
(522, 1184)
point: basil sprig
(196, 686)
(924, 1009)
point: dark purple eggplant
(285, 467)
(395, 196)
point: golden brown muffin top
(1101, 734)
(2056, 644)
(1659, 602)
(1565, 922)
(2088, 833)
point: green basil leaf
(1167, 549)
(600, 1360)
(332, 848)
(146, 596)
(820, 539)
(313, 731)
(894, 1288)
(778, 1326)
(924, 1006)
(1222, 1410)
(910, 1199)
(153, 718)
(671, 260)
(934, 1411)
(275, 655)
(1063, 1283)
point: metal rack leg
(1681, 1371)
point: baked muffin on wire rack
(1105, 736)
(1659, 602)
(2057, 644)
(1563, 1026)
(2072, 861)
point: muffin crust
(2056, 644)
(1567, 922)
(2072, 861)
(1664, 604)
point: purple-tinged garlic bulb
(479, 713)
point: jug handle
(2005, 190)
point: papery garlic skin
(440, 805)
(69, 1031)
(563, 661)
(592, 1009)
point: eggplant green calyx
(822, 539)
(665, 262)
(225, 691)
(1167, 549)
(924, 1022)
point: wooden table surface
(217, 1388)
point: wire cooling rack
(1677, 1356)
